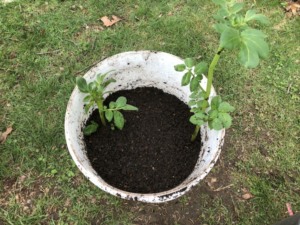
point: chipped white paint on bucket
(131, 70)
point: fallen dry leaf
(107, 22)
(289, 209)
(247, 196)
(3, 136)
(293, 7)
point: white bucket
(132, 70)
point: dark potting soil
(153, 152)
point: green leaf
(248, 57)
(200, 115)
(109, 115)
(192, 103)
(251, 15)
(219, 17)
(121, 101)
(82, 84)
(226, 119)
(106, 83)
(87, 98)
(189, 62)
(100, 89)
(222, 14)
(194, 94)
(180, 67)
(225, 107)
(202, 104)
(88, 106)
(92, 87)
(201, 68)
(88, 130)
(195, 110)
(254, 39)
(202, 94)
(195, 82)
(100, 77)
(238, 21)
(230, 38)
(253, 33)
(253, 48)
(112, 105)
(119, 120)
(236, 7)
(213, 114)
(215, 102)
(130, 108)
(186, 78)
(198, 94)
(196, 121)
(215, 124)
(220, 27)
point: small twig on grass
(289, 88)
(86, 68)
(45, 53)
(223, 188)
(6, 70)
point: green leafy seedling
(236, 33)
(89, 129)
(94, 95)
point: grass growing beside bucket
(44, 46)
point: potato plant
(236, 34)
(95, 91)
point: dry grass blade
(223, 188)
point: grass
(44, 46)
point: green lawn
(45, 45)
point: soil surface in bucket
(153, 152)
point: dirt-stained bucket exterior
(132, 70)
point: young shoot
(111, 113)
(235, 34)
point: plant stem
(210, 77)
(211, 72)
(101, 112)
(196, 131)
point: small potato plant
(236, 34)
(111, 113)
